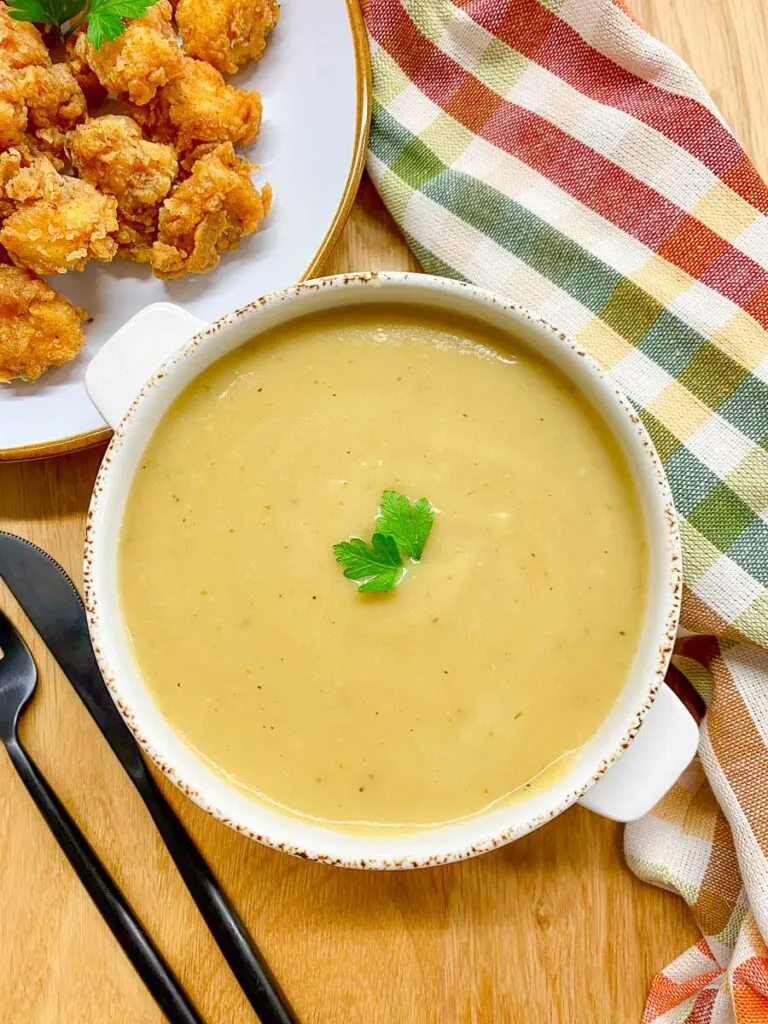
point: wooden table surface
(551, 929)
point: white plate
(314, 81)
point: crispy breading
(140, 61)
(48, 142)
(53, 97)
(26, 177)
(37, 105)
(86, 77)
(13, 110)
(112, 155)
(207, 214)
(38, 327)
(226, 33)
(20, 43)
(11, 162)
(135, 239)
(35, 162)
(58, 223)
(198, 107)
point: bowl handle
(654, 761)
(125, 363)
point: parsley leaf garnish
(408, 523)
(375, 566)
(44, 12)
(104, 17)
(402, 528)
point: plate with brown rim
(315, 84)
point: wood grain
(553, 928)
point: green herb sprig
(104, 17)
(402, 528)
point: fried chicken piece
(11, 162)
(35, 95)
(38, 327)
(111, 153)
(26, 177)
(198, 108)
(20, 43)
(135, 240)
(58, 223)
(140, 61)
(207, 214)
(54, 104)
(13, 110)
(35, 180)
(47, 142)
(53, 97)
(226, 33)
(85, 76)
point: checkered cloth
(553, 151)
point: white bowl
(621, 772)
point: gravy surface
(500, 653)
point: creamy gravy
(499, 655)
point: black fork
(18, 678)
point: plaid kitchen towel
(553, 151)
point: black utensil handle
(139, 948)
(54, 606)
(256, 980)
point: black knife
(54, 607)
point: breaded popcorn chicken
(207, 214)
(140, 61)
(38, 327)
(58, 223)
(47, 142)
(111, 154)
(135, 240)
(53, 97)
(13, 110)
(10, 165)
(84, 75)
(162, 187)
(226, 33)
(22, 177)
(198, 108)
(20, 43)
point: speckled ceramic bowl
(635, 756)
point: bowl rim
(121, 694)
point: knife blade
(53, 605)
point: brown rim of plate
(92, 438)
